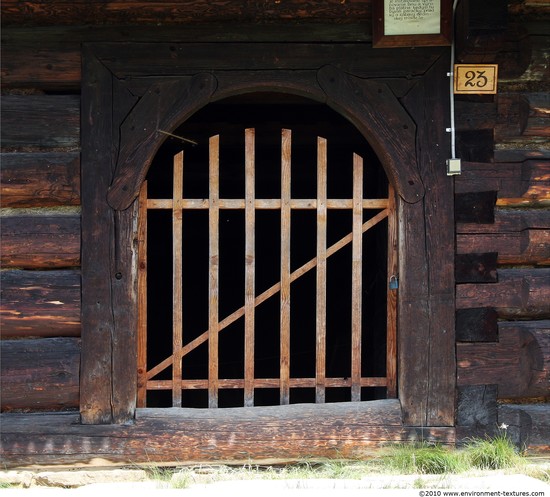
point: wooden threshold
(267, 435)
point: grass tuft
(424, 458)
(493, 453)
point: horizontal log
(528, 181)
(519, 363)
(511, 115)
(40, 121)
(40, 180)
(170, 59)
(519, 149)
(49, 57)
(44, 12)
(40, 374)
(519, 236)
(238, 435)
(519, 294)
(40, 303)
(38, 242)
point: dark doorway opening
(267, 113)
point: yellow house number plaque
(475, 78)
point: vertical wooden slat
(356, 278)
(285, 267)
(142, 298)
(213, 286)
(391, 344)
(320, 370)
(177, 285)
(249, 270)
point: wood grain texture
(40, 121)
(476, 268)
(250, 266)
(238, 435)
(528, 180)
(357, 279)
(40, 179)
(519, 236)
(140, 132)
(40, 242)
(177, 277)
(285, 298)
(142, 299)
(44, 12)
(40, 374)
(476, 325)
(321, 273)
(98, 224)
(213, 269)
(386, 125)
(426, 268)
(528, 425)
(519, 363)
(519, 294)
(40, 303)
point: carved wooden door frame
(397, 99)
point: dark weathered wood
(476, 325)
(472, 115)
(49, 57)
(509, 221)
(427, 258)
(38, 66)
(475, 207)
(519, 363)
(37, 242)
(187, 59)
(40, 374)
(40, 180)
(520, 236)
(477, 406)
(40, 303)
(42, 121)
(528, 425)
(528, 181)
(519, 293)
(44, 13)
(238, 435)
(98, 228)
(513, 111)
(375, 111)
(476, 268)
(519, 149)
(519, 248)
(141, 133)
(476, 145)
(482, 26)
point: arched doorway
(397, 102)
(328, 334)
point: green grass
(425, 458)
(493, 453)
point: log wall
(502, 196)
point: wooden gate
(182, 346)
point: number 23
(476, 78)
